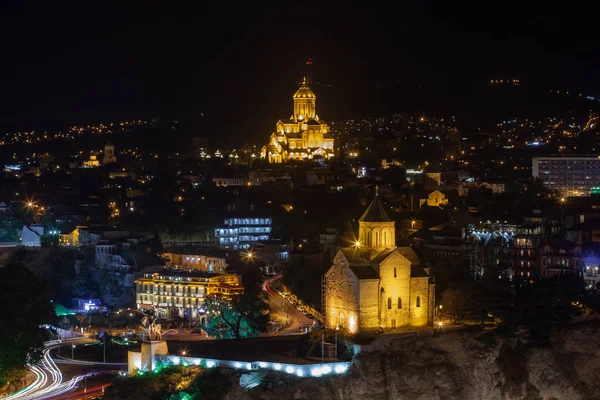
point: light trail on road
(49, 379)
(266, 286)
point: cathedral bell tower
(109, 153)
(375, 229)
(304, 102)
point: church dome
(304, 91)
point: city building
(86, 305)
(591, 275)
(200, 262)
(231, 181)
(303, 136)
(240, 233)
(108, 260)
(79, 235)
(274, 253)
(93, 162)
(488, 248)
(375, 284)
(181, 292)
(434, 199)
(444, 240)
(560, 257)
(571, 176)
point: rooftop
(375, 212)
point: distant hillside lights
(73, 133)
(515, 82)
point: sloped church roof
(375, 212)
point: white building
(273, 253)
(572, 176)
(240, 233)
(31, 235)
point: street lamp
(72, 352)
(357, 244)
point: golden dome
(304, 91)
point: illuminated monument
(304, 136)
(375, 284)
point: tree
(10, 227)
(244, 316)
(26, 303)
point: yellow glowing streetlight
(183, 353)
(357, 244)
(412, 224)
(562, 200)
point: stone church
(375, 284)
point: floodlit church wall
(342, 293)
(420, 296)
(396, 283)
(369, 304)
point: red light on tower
(309, 61)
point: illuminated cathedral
(304, 136)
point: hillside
(458, 366)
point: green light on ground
(61, 310)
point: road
(53, 382)
(282, 310)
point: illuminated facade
(571, 176)
(241, 233)
(198, 262)
(177, 292)
(304, 136)
(375, 284)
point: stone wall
(396, 286)
(419, 316)
(342, 295)
(369, 304)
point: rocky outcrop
(457, 365)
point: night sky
(239, 65)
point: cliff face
(458, 365)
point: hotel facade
(172, 292)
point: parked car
(129, 332)
(196, 332)
(171, 332)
